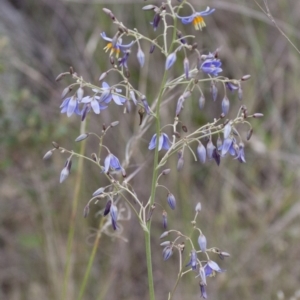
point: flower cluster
(212, 141)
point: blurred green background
(250, 210)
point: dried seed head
(141, 114)
(86, 211)
(249, 134)
(150, 212)
(184, 128)
(55, 145)
(94, 157)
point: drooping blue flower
(226, 145)
(193, 260)
(232, 87)
(211, 267)
(123, 61)
(171, 200)
(241, 154)
(211, 66)
(170, 60)
(141, 57)
(203, 291)
(167, 252)
(197, 18)
(165, 219)
(202, 242)
(115, 45)
(156, 21)
(69, 106)
(114, 216)
(92, 102)
(201, 152)
(107, 95)
(112, 162)
(163, 142)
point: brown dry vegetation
(250, 210)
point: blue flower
(92, 103)
(112, 162)
(241, 154)
(163, 142)
(203, 291)
(114, 216)
(167, 252)
(231, 86)
(197, 18)
(107, 95)
(123, 61)
(193, 260)
(202, 242)
(171, 200)
(170, 60)
(211, 66)
(69, 106)
(115, 45)
(211, 268)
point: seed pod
(249, 134)
(86, 211)
(184, 128)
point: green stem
(91, 260)
(78, 179)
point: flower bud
(165, 219)
(209, 149)
(214, 91)
(202, 242)
(102, 76)
(164, 234)
(114, 124)
(225, 105)
(245, 77)
(201, 102)
(98, 192)
(166, 171)
(198, 207)
(170, 60)
(141, 57)
(48, 154)
(171, 200)
(201, 152)
(107, 208)
(82, 137)
(249, 134)
(258, 115)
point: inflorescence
(198, 69)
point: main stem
(153, 190)
(73, 215)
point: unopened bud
(198, 207)
(245, 77)
(65, 92)
(109, 13)
(98, 192)
(71, 70)
(166, 171)
(107, 208)
(164, 234)
(82, 137)
(258, 115)
(48, 155)
(102, 76)
(61, 75)
(114, 124)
